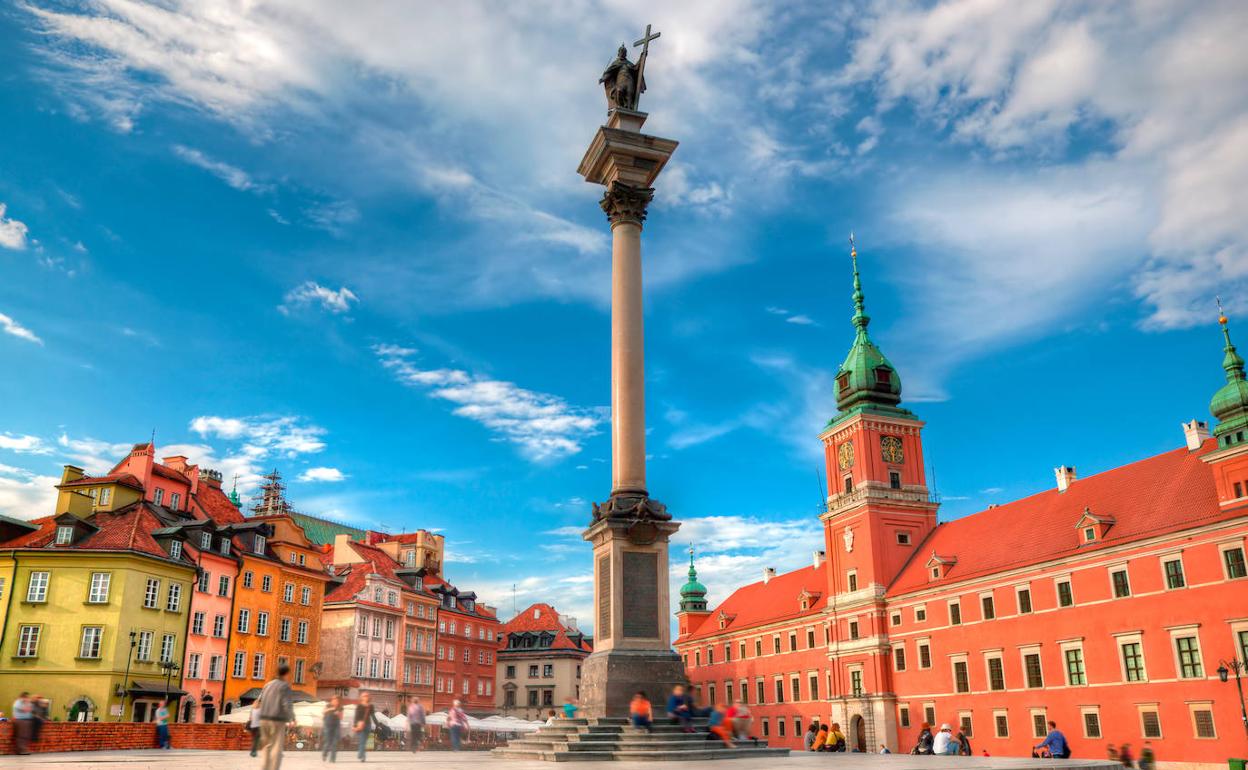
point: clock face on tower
(890, 448)
(845, 455)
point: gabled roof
(1160, 494)
(127, 529)
(124, 479)
(761, 603)
(544, 619)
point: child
(640, 711)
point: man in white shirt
(941, 744)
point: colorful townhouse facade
(99, 593)
(1106, 604)
(467, 646)
(540, 653)
(379, 628)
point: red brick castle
(1105, 603)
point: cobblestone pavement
(442, 760)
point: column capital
(626, 203)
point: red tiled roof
(217, 506)
(760, 603)
(124, 530)
(1161, 494)
(169, 473)
(542, 617)
(126, 479)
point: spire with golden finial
(861, 319)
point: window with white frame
(305, 596)
(240, 664)
(1033, 672)
(1131, 654)
(257, 666)
(28, 641)
(143, 650)
(173, 599)
(1233, 563)
(158, 496)
(197, 623)
(1150, 721)
(1001, 723)
(1120, 582)
(266, 583)
(1039, 723)
(218, 627)
(288, 592)
(262, 623)
(167, 644)
(1202, 720)
(214, 668)
(1091, 722)
(299, 666)
(1172, 569)
(1023, 594)
(244, 621)
(64, 534)
(100, 582)
(996, 671)
(302, 634)
(37, 588)
(961, 676)
(151, 594)
(175, 549)
(925, 653)
(1072, 657)
(92, 637)
(1187, 655)
(205, 541)
(192, 665)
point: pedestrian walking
(23, 722)
(1148, 760)
(162, 725)
(1125, 756)
(362, 725)
(415, 724)
(277, 713)
(253, 727)
(457, 720)
(331, 729)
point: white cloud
(543, 426)
(1021, 80)
(10, 326)
(94, 456)
(24, 444)
(311, 293)
(232, 175)
(12, 232)
(322, 474)
(332, 217)
(800, 320)
(25, 494)
(284, 436)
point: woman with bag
(362, 724)
(924, 744)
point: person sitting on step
(640, 712)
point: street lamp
(170, 668)
(1238, 667)
(126, 682)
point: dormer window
(883, 377)
(419, 584)
(174, 500)
(410, 558)
(225, 546)
(842, 382)
(377, 595)
(1089, 534)
(64, 535)
(469, 604)
(258, 544)
(205, 541)
(939, 566)
(106, 493)
(1092, 527)
(175, 549)
(158, 496)
(935, 573)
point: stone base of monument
(613, 739)
(610, 678)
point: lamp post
(1239, 667)
(125, 684)
(170, 668)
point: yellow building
(93, 600)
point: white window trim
(1031, 599)
(1202, 705)
(917, 609)
(918, 657)
(904, 653)
(958, 602)
(1073, 644)
(979, 598)
(1109, 573)
(1141, 709)
(1023, 652)
(1192, 630)
(997, 654)
(1031, 716)
(996, 714)
(1057, 599)
(1130, 637)
(1231, 545)
(1165, 559)
(1083, 722)
(954, 659)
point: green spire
(693, 593)
(1230, 404)
(234, 498)
(866, 381)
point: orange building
(1105, 604)
(278, 598)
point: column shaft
(628, 385)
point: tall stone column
(631, 530)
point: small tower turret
(693, 610)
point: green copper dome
(866, 381)
(1230, 404)
(693, 593)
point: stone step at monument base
(580, 740)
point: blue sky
(350, 242)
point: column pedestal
(632, 626)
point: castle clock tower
(879, 511)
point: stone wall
(111, 736)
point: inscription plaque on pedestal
(641, 600)
(604, 591)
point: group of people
(821, 737)
(273, 714)
(946, 742)
(1124, 755)
(727, 723)
(29, 714)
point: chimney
(1196, 432)
(177, 462)
(768, 574)
(1065, 476)
(819, 556)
